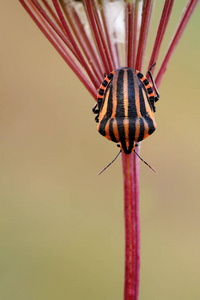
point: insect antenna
(109, 163)
(145, 162)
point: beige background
(61, 226)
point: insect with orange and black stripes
(125, 108)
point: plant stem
(74, 44)
(51, 35)
(189, 8)
(100, 45)
(166, 13)
(132, 225)
(144, 29)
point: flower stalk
(188, 10)
(166, 13)
(132, 225)
(101, 50)
(144, 29)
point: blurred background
(61, 226)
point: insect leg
(95, 109)
(153, 83)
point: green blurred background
(61, 226)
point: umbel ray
(125, 109)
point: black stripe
(102, 127)
(101, 92)
(120, 126)
(120, 94)
(140, 75)
(105, 83)
(150, 124)
(112, 136)
(132, 129)
(129, 149)
(152, 101)
(142, 100)
(146, 82)
(123, 146)
(99, 103)
(150, 90)
(110, 76)
(141, 135)
(110, 101)
(132, 112)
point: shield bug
(125, 108)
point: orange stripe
(125, 93)
(107, 130)
(151, 95)
(105, 106)
(137, 97)
(115, 130)
(146, 129)
(114, 95)
(148, 85)
(127, 144)
(103, 87)
(147, 106)
(137, 129)
(126, 130)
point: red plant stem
(134, 40)
(166, 13)
(131, 37)
(135, 13)
(117, 50)
(179, 31)
(108, 38)
(53, 38)
(59, 30)
(52, 13)
(97, 38)
(74, 44)
(144, 29)
(132, 225)
(82, 38)
(103, 37)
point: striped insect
(125, 108)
